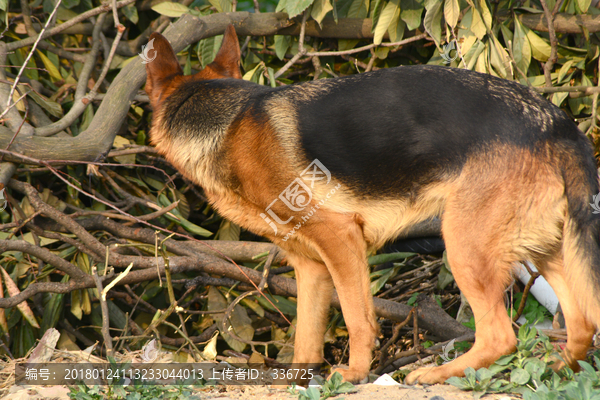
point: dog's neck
(190, 130)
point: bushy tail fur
(581, 232)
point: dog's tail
(581, 232)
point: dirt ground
(364, 392)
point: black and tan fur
(509, 174)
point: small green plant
(470, 324)
(292, 389)
(480, 381)
(534, 312)
(329, 388)
(527, 372)
(84, 392)
(135, 392)
(412, 301)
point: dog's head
(164, 74)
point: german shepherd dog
(331, 169)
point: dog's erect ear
(161, 65)
(227, 60)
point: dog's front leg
(338, 238)
(315, 288)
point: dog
(334, 168)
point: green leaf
(228, 231)
(411, 13)
(358, 9)
(187, 225)
(347, 44)
(271, 74)
(335, 379)
(433, 20)
(70, 3)
(460, 383)
(282, 44)
(445, 278)
(564, 70)
(540, 50)
(395, 30)
(53, 309)
(485, 12)
(51, 106)
(312, 393)
(383, 258)
(116, 315)
(451, 12)
(345, 387)
(389, 12)
(216, 4)
(284, 305)
(505, 360)
(131, 13)
(249, 76)
(239, 321)
(173, 10)
(187, 68)
(254, 306)
(375, 13)
(88, 116)
(208, 49)
(558, 98)
(477, 24)
(413, 299)
(281, 6)
(226, 5)
(381, 52)
(521, 48)
(519, 376)
(3, 5)
(296, 7)
(499, 59)
(118, 142)
(506, 33)
(377, 284)
(469, 38)
(320, 9)
(49, 65)
(583, 5)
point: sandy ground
(364, 392)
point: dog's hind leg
(580, 330)
(476, 226)
(315, 288)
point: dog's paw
(351, 375)
(427, 376)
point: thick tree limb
(563, 23)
